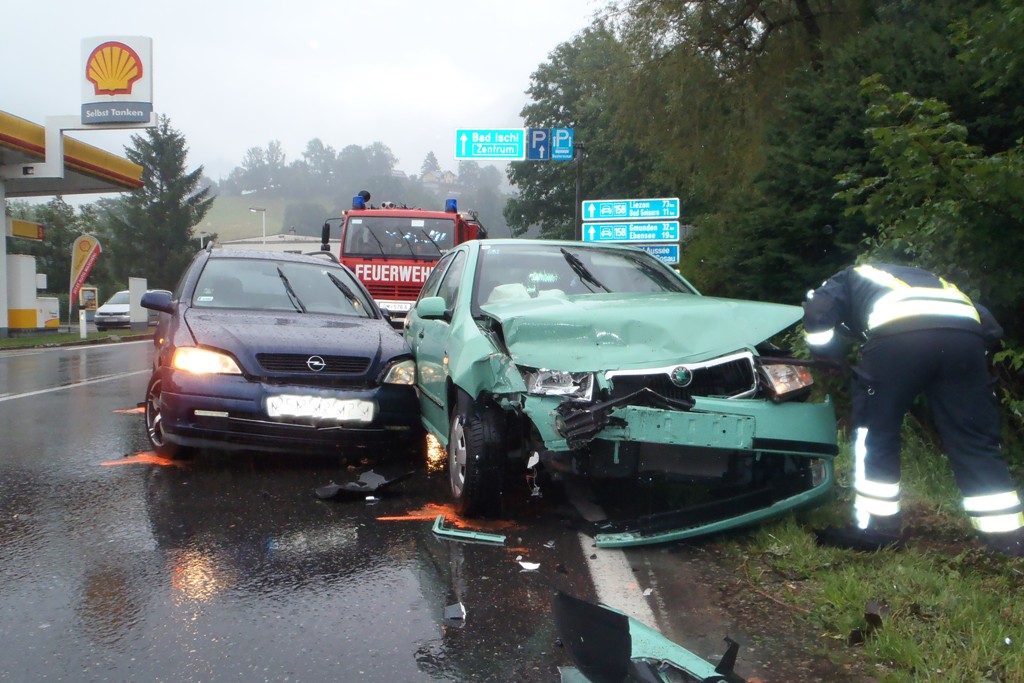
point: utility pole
(581, 153)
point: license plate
(320, 408)
(396, 306)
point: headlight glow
(543, 382)
(787, 380)
(204, 361)
(403, 372)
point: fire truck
(392, 248)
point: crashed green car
(600, 361)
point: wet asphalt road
(115, 566)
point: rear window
(119, 298)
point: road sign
(657, 231)
(490, 143)
(669, 253)
(538, 144)
(562, 144)
(630, 209)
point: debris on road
(453, 534)
(367, 483)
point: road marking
(613, 577)
(95, 380)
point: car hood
(621, 331)
(247, 333)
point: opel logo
(316, 363)
(681, 376)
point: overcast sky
(233, 74)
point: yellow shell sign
(117, 80)
(113, 68)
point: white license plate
(320, 407)
(396, 306)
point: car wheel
(154, 422)
(476, 463)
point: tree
(151, 229)
(430, 164)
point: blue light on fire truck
(451, 206)
(358, 202)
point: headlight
(579, 385)
(787, 381)
(204, 361)
(403, 372)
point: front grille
(395, 290)
(297, 363)
(727, 377)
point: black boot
(882, 532)
(1009, 543)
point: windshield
(516, 271)
(118, 298)
(265, 285)
(399, 237)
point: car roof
(260, 255)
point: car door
(429, 340)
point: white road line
(95, 380)
(613, 577)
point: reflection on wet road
(119, 565)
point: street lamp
(202, 234)
(263, 215)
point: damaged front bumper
(789, 445)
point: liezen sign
(630, 209)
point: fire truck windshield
(397, 237)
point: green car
(598, 360)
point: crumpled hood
(247, 333)
(623, 331)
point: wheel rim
(154, 419)
(457, 457)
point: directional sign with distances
(657, 231)
(630, 209)
(490, 143)
(669, 253)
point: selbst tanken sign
(117, 79)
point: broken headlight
(575, 385)
(786, 382)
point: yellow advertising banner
(25, 229)
(84, 253)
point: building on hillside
(287, 242)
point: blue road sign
(669, 253)
(490, 143)
(630, 209)
(562, 144)
(538, 144)
(656, 231)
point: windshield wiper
(427, 235)
(347, 291)
(292, 296)
(581, 270)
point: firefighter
(920, 334)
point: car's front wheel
(155, 422)
(476, 463)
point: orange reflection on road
(144, 458)
(132, 411)
(430, 511)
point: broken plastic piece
(368, 482)
(529, 566)
(456, 612)
(466, 536)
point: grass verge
(65, 338)
(941, 609)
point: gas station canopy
(87, 169)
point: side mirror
(157, 301)
(432, 308)
(325, 236)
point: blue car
(277, 352)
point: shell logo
(113, 68)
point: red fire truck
(392, 248)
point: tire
(476, 459)
(154, 423)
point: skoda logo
(316, 363)
(681, 376)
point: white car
(115, 312)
